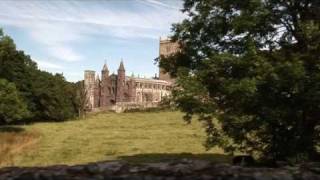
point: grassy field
(135, 137)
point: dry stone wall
(184, 169)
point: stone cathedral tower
(89, 84)
(121, 83)
(105, 89)
(166, 48)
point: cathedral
(120, 92)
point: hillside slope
(136, 137)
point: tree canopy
(47, 96)
(12, 107)
(253, 65)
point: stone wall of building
(119, 92)
(89, 83)
(116, 90)
(166, 48)
(150, 90)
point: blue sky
(71, 36)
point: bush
(12, 107)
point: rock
(169, 178)
(206, 177)
(222, 165)
(154, 178)
(281, 164)
(186, 170)
(283, 176)
(181, 169)
(25, 176)
(44, 176)
(243, 160)
(200, 165)
(76, 169)
(110, 167)
(159, 166)
(138, 169)
(93, 169)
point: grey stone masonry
(182, 169)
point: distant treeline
(29, 94)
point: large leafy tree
(81, 99)
(254, 65)
(48, 96)
(12, 107)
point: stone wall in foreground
(184, 169)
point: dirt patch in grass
(14, 141)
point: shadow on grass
(11, 129)
(165, 157)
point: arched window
(168, 49)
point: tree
(12, 107)
(81, 99)
(48, 96)
(254, 65)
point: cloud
(60, 27)
(65, 53)
(47, 65)
(56, 37)
(57, 24)
(74, 76)
(162, 4)
(91, 13)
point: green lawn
(136, 137)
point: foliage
(81, 99)
(12, 106)
(255, 66)
(48, 97)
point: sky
(70, 36)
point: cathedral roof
(105, 67)
(148, 80)
(121, 67)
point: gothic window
(112, 101)
(168, 49)
(126, 97)
(147, 97)
(138, 97)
